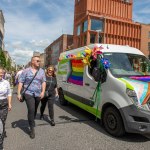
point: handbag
(23, 93)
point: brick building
(63, 43)
(42, 58)
(105, 21)
(145, 39)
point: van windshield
(123, 64)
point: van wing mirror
(96, 74)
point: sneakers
(32, 133)
(52, 123)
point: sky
(31, 25)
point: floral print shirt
(35, 87)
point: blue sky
(31, 25)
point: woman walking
(5, 105)
(50, 94)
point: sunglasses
(38, 61)
(50, 70)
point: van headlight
(132, 95)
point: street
(75, 130)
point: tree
(8, 65)
(2, 58)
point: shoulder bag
(23, 93)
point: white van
(124, 102)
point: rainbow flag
(141, 78)
(76, 76)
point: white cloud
(22, 55)
(41, 43)
(28, 29)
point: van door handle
(87, 84)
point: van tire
(62, 98)
(112, 122)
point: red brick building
(145, 39)
(63, 43)
(105, 21)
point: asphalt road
(75, 130)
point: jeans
(50, 101)
(32, 106)
(3, 117)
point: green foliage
(2, 58)
(8, 65)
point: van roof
(107, 48)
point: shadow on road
(22, 124)
(87, 118)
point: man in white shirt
(5, 105)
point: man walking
(34, 82)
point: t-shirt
(5, 90)
(51, 84)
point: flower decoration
(96, 50)
(105, 63)
(86, 61)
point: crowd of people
(34, 85)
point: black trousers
(32, 106)
(3, 117)
(50, 100)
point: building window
(149, 34)
(78, 30)
(149, 46)
(92, 38)
(96, 25)
(100, 38)
(84, 26)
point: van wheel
(61, 98)
(112, 122)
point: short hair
(34, 57)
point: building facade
(63, 43)
(2, 21)
(42, 65)
(145, 39)
(105, 21)
(35, 53)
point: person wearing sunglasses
(33, 82)
(50, 94)
(5, 105)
